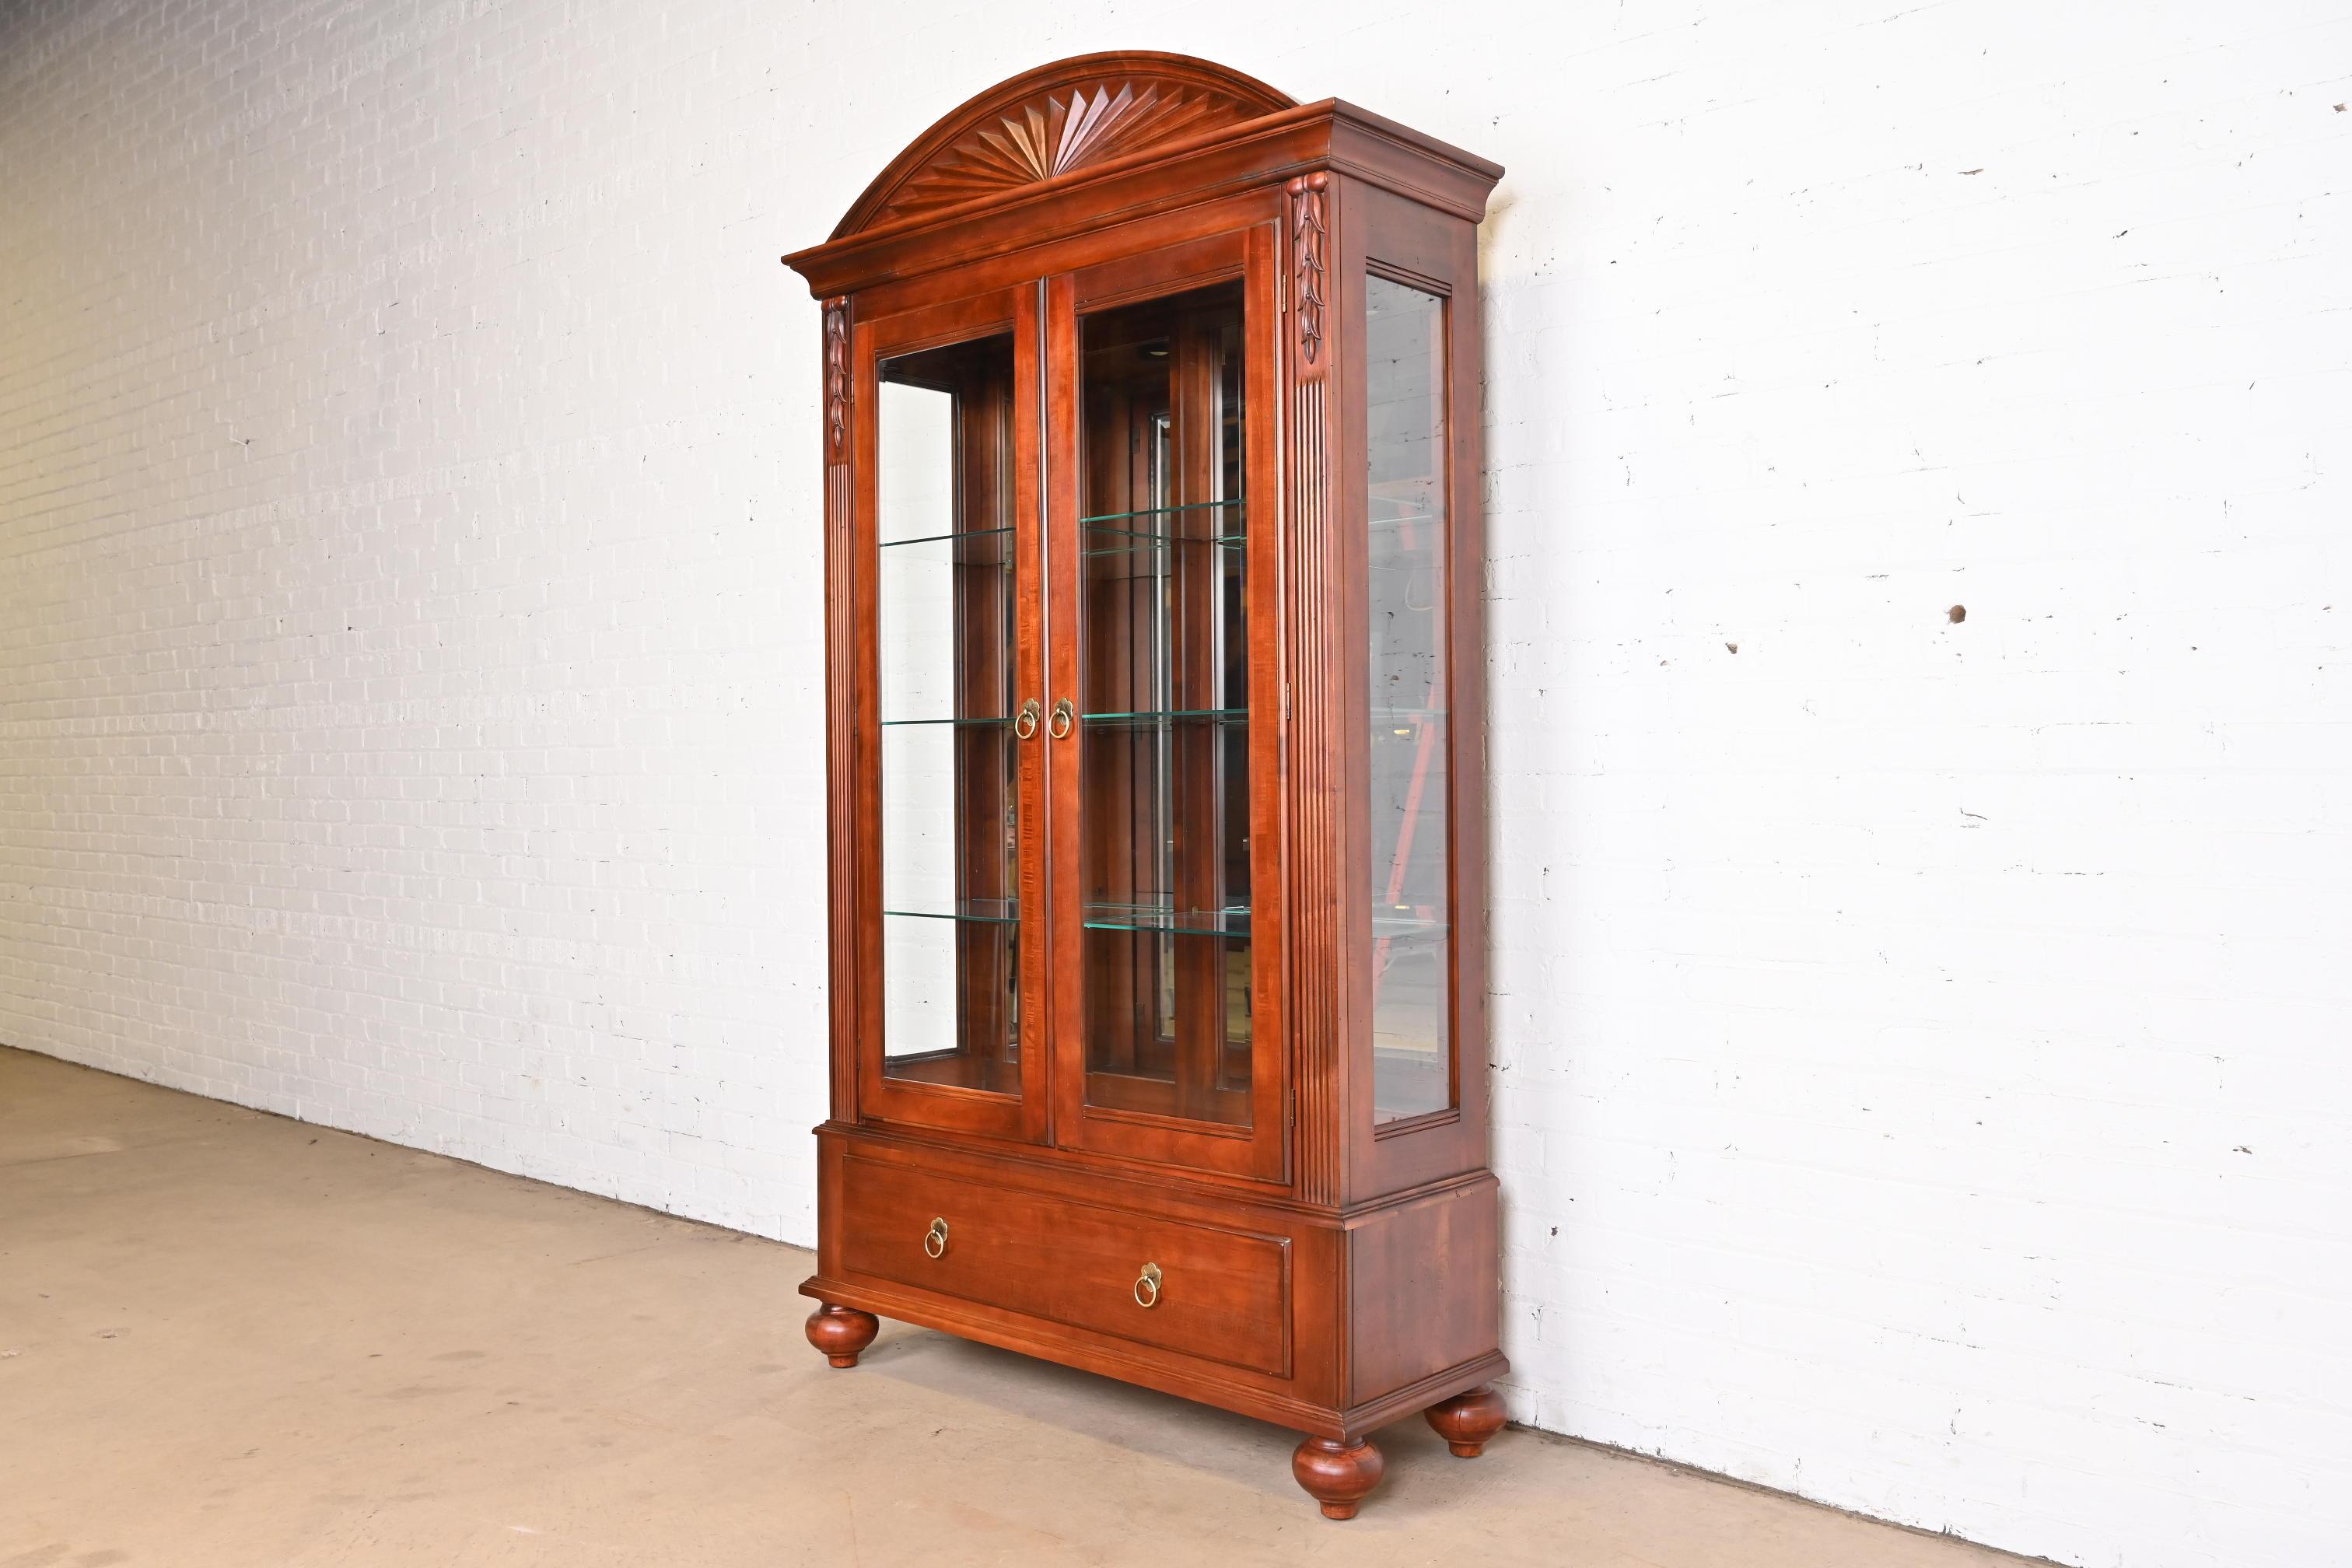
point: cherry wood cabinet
(1154, 739)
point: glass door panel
(1164, 702)
(1411, 883)
(947, 595)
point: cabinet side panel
(1316, 689)
(1466, 372)
(840, 725)
(1422, 1288)
(829, 1154)
(1436, 253)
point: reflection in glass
(944, 602)
(1164, 699)
(1405, 341)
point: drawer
(1223, 1294)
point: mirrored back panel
(1164, 697)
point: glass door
(948, 525)
(1166, 1045)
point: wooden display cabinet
(1154, 733)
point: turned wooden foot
(1468, 1420)
(840, 1333)
(1337, 1475)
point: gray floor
(230, 1339)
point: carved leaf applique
(836, 373)
(1306, 235)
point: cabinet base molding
(1005, 1331)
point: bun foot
(840, 1333)
(1468, 1420)
(1337, 1475)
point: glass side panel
(1404, 341)
(1164, 706)
(944, 602)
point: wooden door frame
(854, 707)
(1240, 241)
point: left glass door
(948, 520)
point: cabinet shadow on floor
(1152, 1426)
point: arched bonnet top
(1070, 115)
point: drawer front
(1222, 1295)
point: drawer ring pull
(1146, 1287)
(935, 1240)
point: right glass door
(1172, 1055)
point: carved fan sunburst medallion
(1061, 131)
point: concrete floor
(230, 1339)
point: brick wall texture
(1922, 1068)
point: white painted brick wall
(1922, 1054)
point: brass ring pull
(1063, 715)
(1146, 1287)
(1025, 725)
(935, 1240)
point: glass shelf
(1167, 716)
(1231, 921)
(973, 912)
(1156, 511)
(943, 538)
(1130, 542)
